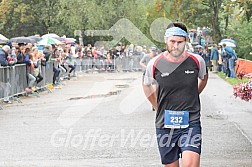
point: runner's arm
(149, 87)
(151, 94)
(203, 74)
(202, 83)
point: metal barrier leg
(17, 99)
(35, 94)
(47, 89)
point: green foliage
(239, 27)
(241, 33)
(232, 81)
(63, 17)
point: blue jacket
(230, 52)
(3, 58)
(214, 54)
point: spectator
(20, 55)
(214, 57)
(231, 55)
(47, 52)
(29, 45)
(36, 59)
(15, 52)
(6, 61)
(147, 57)
(29, 69)
(5, 58)
(56, 69)
(189, 47)
(118, 55)
(70, 62)
(202, 41)
(220, 58)
(225, 63)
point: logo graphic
(166, 74)
(189, 72)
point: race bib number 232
(176, 119)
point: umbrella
(69, 40)
(2, 42)
(36, 38)
(192, 30)
(198, 46)
(3, 38)
(228, 42)
(211, 45)
(22, 40)
(59, 38)
(51, 35)
(48, 41)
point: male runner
(180, 78)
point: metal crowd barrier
(47, 74)
(118, 64)
(18, 78)
(92, 64)
(4, 83)
(13, 79)
(132, 63)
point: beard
(175, 52)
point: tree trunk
(248, 12)
(215, 6)
(226, 22)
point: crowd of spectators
(219, 58)
(64, 57)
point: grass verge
(232, 81)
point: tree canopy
(224, 17)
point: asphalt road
(105, 120)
